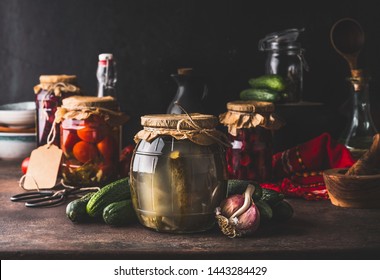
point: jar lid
(57, 84)
(198, 128)
(285, 39)
(180, 121)
(53, 79)
(82, 107)
(77, 102)
(250, 114)
(184, 71)
(250, 106)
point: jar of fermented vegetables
(250, 125)
(178, 172)
(90, 139)
(50, 92)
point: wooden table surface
(318, 230)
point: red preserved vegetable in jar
(90, 140)
(49, 95)
(250, 125)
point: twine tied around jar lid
(248, 114)
(82, 107)
(198, 128)
(57, 84)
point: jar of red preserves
(90, 139)
(250, 125)
(50, 92)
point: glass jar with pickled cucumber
(250, 126)
(178, 172)
(90, 140)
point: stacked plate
(17, 130)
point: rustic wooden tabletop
(318, 230)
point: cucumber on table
(119, 213)
(113, 192)
(282, 211)
(271, 197)
(266, 212)
(237, 186)
(76, 209)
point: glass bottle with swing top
(50, 92)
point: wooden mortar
(354, 191)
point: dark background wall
(151, 39)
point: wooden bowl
(352, 191)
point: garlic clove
(231, 204)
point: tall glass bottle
(107, 75)
(358, 135)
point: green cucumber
(236, 186)
(76, 209)
(271, 196)
(113, 192)
(282, 211)
(271, 81)
(260, 94)
(266, 212)
(119, 213)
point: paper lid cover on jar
(52, 79)
(198, 128)
(82, 107)
(248, 113)
(57, 84)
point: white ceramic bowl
(18, 115)
(16, 145)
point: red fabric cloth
(298, 170)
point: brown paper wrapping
(57, 84)
(82, 107)
(248, 114)
(198, 128)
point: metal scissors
(47, 198)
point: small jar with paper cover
(178, 172)
(90, 139)
(250, 125)
(50, 92)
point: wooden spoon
(347, 38)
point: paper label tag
(43, 168)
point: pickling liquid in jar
(90, 151)
(250, 157)
(176, 184)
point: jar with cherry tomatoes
(90, 139)
(250, 125)
(50, 92)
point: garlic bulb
(238, 215)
